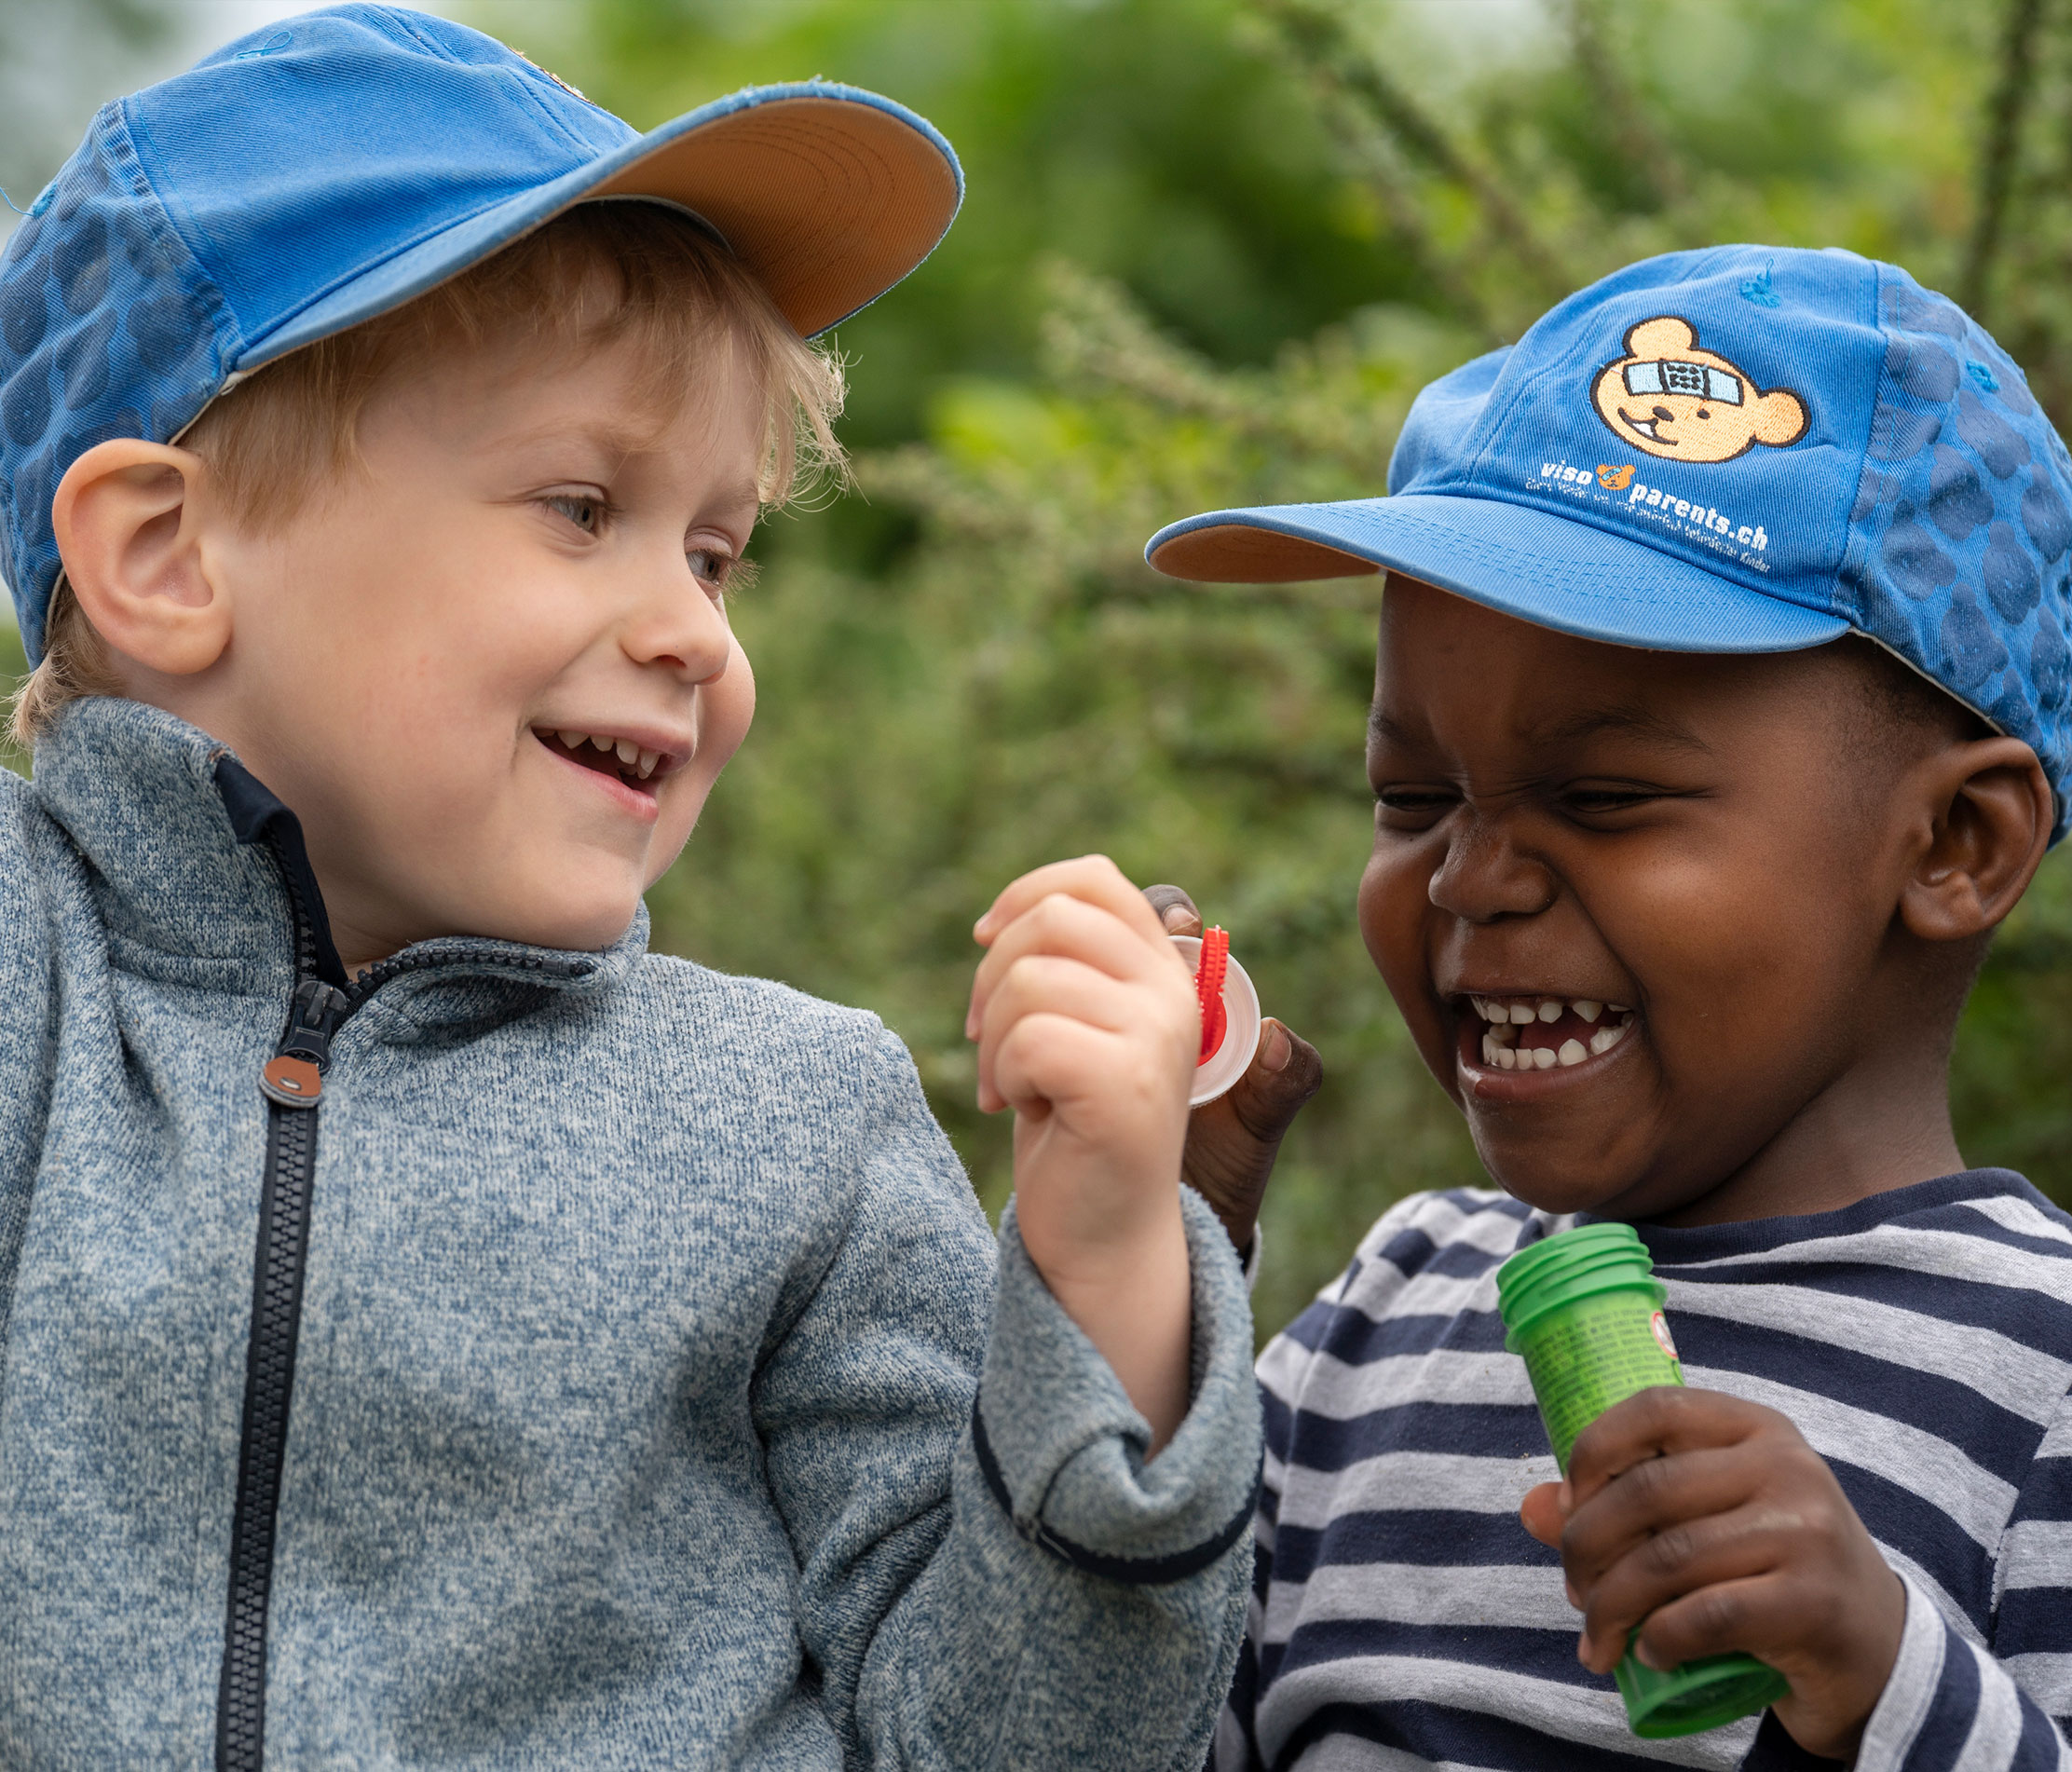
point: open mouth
(1645, 427)
(607, 753)
(1543, 1033)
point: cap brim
(1541, 568)
(828, 194)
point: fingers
(1682, 1564)
(1650, 1499)
(1040, 988)
(1715, 1621)
(1094, 878)
(1044, 1063)
(1075, 953)
(1669, 1418)
(1175, 910)
(1071, 927)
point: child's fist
(1714, 1522)
(1087, 1026)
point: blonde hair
(595, 276)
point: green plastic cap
(1568, 1266)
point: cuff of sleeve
(1910, 1689)
(1061, 1447)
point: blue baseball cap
(1741, 449)
(324, 170)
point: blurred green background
(1210, 250)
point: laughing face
(1631, 905)
(1671, 399)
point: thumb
(1544, 1513)
(1284, 1074)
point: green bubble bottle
(1585, 1310)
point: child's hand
(1087, 1026)
(1232, 1140)
(1714, 1521)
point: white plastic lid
(1241, 1027)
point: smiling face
(1637, 908)
(530, 559)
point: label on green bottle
(1589, 1354)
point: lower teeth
(1501, 1055)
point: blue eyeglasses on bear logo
(1671, 399)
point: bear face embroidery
(1671, 399)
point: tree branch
(1316, 31)
(2004, 115)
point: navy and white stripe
(1921, 1341)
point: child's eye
(587, 514)
(1404, 808)
(720, 570)
(1598, 798)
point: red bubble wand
(1209, 990)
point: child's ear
(128, 524)
(1992, 813)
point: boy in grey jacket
(434, 1330)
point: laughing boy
(1720, 715)
(433, 1329)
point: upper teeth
(643, 762)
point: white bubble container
(1222, 1068)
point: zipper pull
(293, 1076)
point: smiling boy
(1691, 830)
(434, 1330)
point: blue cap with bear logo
(1741, 449)
(329, 168)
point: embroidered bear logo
(1671, 399)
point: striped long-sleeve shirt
(1920, 1340)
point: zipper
(292, 1083)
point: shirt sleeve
(990, 1571)
(1955, 1704)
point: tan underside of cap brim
(1236, 554)
(829, 202)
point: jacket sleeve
(1955, 1704)
(990, 1572)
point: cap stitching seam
(201, 246)
(1846, 519)
(532, 88)
(405, 25)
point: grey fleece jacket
(610, 1367)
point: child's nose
(681, 629)
(1484, 877)
(1664, 412)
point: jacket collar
(192, 859)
